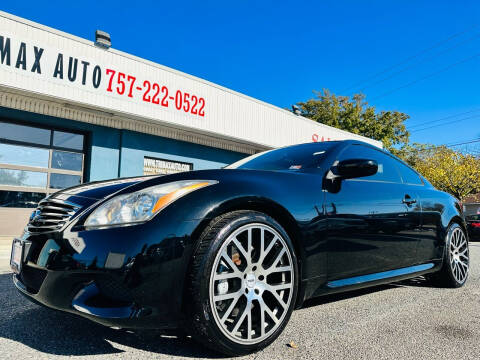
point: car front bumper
(127, 277)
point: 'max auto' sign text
(40, 61)
(30, 59)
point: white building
(71, 112)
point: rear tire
(243, 283)
(456, 259)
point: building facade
(73, 112)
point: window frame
(315, 166)
(48, 170)
(414, 171)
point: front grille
(32, 278)
(51, 215)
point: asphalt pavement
(407, 320)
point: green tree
(448, 170)
(356, 116)
(413, 153)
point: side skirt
(363, 279)
(314, 288)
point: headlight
(142, 205)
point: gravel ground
(407, 320)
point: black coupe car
(228, 254)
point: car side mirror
(355, 168)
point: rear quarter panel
(439, 209)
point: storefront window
(36, 162)
(61, 181)
(67, 160)
(20, 199)
(23, 178)
(67, 140)
(23, 155)
(23, 133)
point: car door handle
(408, 200)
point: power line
(418, 63)
(452, 145)
(471, 149)
(443, 124)
(445, 118)
(472, 141)
(427, 76)
(408, 59)
(468, 142)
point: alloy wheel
(459, 256)
(251, 283)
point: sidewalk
(5, 249)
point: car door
(371, 225)
(428, 247)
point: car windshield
(292, 158)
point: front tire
(244, 282)
(456, 259)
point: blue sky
(279, 51)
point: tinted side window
(408, 175)
(293, 158)
(387, 170)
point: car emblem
(250, 280)
(35, 215)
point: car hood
(98, 190)
(101, 189)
